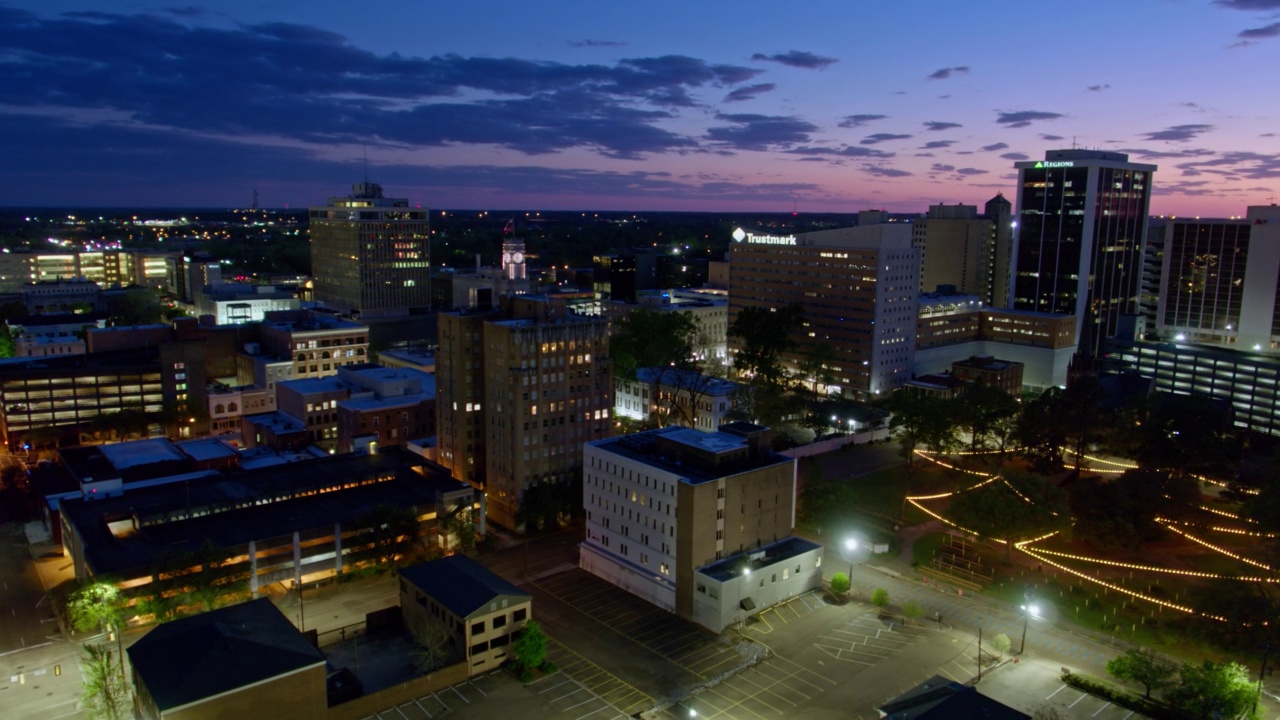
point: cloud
(1016, 156)
(760, 132)
(1249, 5)
(1242, 164)
(882, 171)
(939, 167)
(279, 81)
(995, 147)
(1051, 138)
(1099, 88)
(847, 151)
(882, 137)
(1146, 154)
(970, 172)
(1023, 118)
(186, 11)
(596, 43)
(1178, 133)
(852, 121)
(797, 59)
(937, 144)
(935, 126)
(1260, 33)
(946, 72)
(749, 91)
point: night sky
(692, 105)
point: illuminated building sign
(1055, 164)
(741, 235)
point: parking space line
(472, 683)
(423, 709)
(571, 692)
(953, 677)
(553, 687)
(443, 703)
(1126, 717)
(1055, 692)
(1104, 707)
(1082, 696)
(584, 702)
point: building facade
(371, 255)
(858, 287)
(1080, 242)
(966, 250)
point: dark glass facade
(1206, 266)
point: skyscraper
(371, 255)
(1082, 218)
(962, 248)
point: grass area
(925, 547)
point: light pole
(850, 545)
(1027, 611)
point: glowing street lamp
(1028, 611)
(850, 545)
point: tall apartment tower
(1219, 281)
(518, 393)
(371, 255)
(961, 248)
(1080, 239)
(859, 289)
(999, 211)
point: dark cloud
(939, 167)
(760, 132)
(882, 137)
(995, 147)
(1178, 133)
(798, 59)
(970, 172)
(597, 43)
(312, 86)
(1249, 5)
(187, 11)
(852, 121)
(1023, 118)
(1146, 154)
(847, 151)
(749, 91)
(937, 144)
(946, 72)
(1051, 138)
(936, 126)
(1241, 164)
(1098, 88)
(1016, 156)
(882, 171)
(1260, 33)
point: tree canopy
(1013, 508)
(1212, 690)
(1143, 667)
(649, 338)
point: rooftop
(460, 584)
(220, 651)
(761, 557)
(941, 699)
(696, 455)
(207, 449)
(692, 380)
(140, 452)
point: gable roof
(459, 583)
(197, 657)
(941, 699)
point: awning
(748, 604)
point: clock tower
(512, 253)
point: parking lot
(1035, 683)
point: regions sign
(1055, 164)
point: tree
(106, 694)
(1212, 690)
(648, 338)
(911, 610)
(1012, 509)
(880, 597)
(840, 583)
(530, 647)
(981, 410)
(1143, 667)
(433, 650)
(392, 532)
(766, 334)
(1001, 644)
(921, 421)
(8, 343)
(458, 521)
(1186, 434)
(97, 606)
(1121, 513)
(1039, 434)
(1079, 411)
(136, 306)
(214, 577)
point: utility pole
(979, 653)
(1266, 653)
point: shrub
(840, 583)
(1001, 643)
(880, 597)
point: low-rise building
(672, 396)
(480, 612)
(1003, 374)
(244, 660)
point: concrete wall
(627, 577)
(826, 446)
(720, 605)
(299, 696)
(367, 705)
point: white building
(673, 396)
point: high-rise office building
(1079, 244)
(518, 393)
(371, 255)
(859, 289)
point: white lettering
(771, 239)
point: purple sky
(826, 105)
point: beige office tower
(518, 393)
(967, 250)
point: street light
(1028, 610)
(850, 544)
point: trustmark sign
(740, 235)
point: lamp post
(1027, 611)
(850, 545)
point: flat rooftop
(732, 452)
(141, 452)
(762, 557)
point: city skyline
(718, 107)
